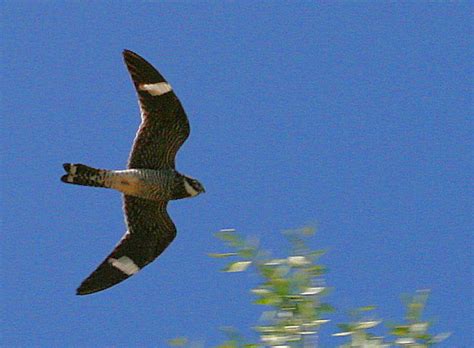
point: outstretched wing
(164, 126)
(150, 231)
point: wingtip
(128, 54)
(140, 69)
(85, 290)
(80, 292)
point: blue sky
(350, 116)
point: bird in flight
(148, 183)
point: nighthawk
(148, 183)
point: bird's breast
(129, 182)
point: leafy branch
(293, 289)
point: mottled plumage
(158, 138)
(149, 182)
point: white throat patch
(189, 189)
(156, 89)
(125, 264)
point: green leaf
(221, 255)
(267, 271)
(247, 253)
(400, 330)
(178, 341)
(281, 286)
(345, 327)
(271, 300)
(317, 253)
(326, 307)
(424, 337)
(316, 270)
(228, 345)
(366, 308)
(226, 236)
(238, 266)
(230, 237)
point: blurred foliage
(293, 289)
(178, 342)
(413, 332)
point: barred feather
(80, 174)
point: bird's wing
(164, 127)
(150, 231)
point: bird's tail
(80, 174)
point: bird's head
(192, 186)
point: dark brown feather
(164, 127)
(150, 231)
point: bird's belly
(139, 184)
(128, 184)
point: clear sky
(354, 117)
